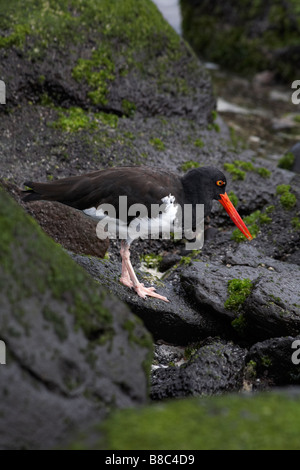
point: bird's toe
(143, 292)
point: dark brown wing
(144, 185)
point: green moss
(286, 162)
(233, 198)
(264, 219)
(151, 260)
(236, 173)
(287, 199)
(269, 209)
(37, 265)
(238, 291)
(109, 119)
(128, 107)
(76, 119)
(199, 143)
(250, 370)
(213, 127)
(247, 166)
(123, 36)
(283, 188)
(296, 223)
(45, 100)
(98, 72)
(214, 114)
(239, 324)
(73, 120)
(239, 168)
(186, 260)
(189, 165)
(190, 351)
(157, 143)
(266, 361)
(45, 22)
(16, 37)
(263, 172)
(260, 421)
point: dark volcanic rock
(216, 367)
(68, 342)
(125, 63)
(177, 322)
(271, 309)
(277, 360)
(69, 227)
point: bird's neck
(195, 193)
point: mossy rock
(105, 51)
(263, 421)
(103, 83)
(246, 37)
(70, 355)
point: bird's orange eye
(220, 183)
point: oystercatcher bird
(146, 186)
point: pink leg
(125, 278)
(129, 279)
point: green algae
(233, 198)
(239, 168)
(76, 119)
(128, 35)
(230, 422)
(236, 173)
(238, 291)
(286, 162)
(36, 266)
(189, 165)
(151, 260)
(157, 143)
(296, 223)
(287, 199)
(98, 72)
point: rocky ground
(136, 96)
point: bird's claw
(126, 281)
(143, 291)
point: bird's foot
(126, 281)
(143, 291)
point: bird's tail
(39, 191)
(71, 191)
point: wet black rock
(277, 360)
(271, 309)
(215, 367)
(68, 342)
(168, 261)
(177, 322)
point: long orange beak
(234, 215)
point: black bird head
(203, 185)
